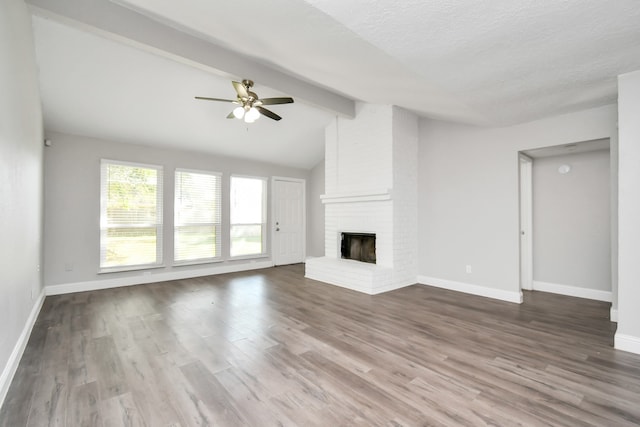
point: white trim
(285, 178)
(613, 314)
(573, 291)
(626, 343)
(360, 196)
(66, 288)
(133, 164)
(198, 171)
(262, 177)
(14, 359)
(469, 288)
(525, 232)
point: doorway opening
(565, 220)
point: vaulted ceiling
(128, 70)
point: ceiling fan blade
(231, 116)
(274, 101)
(268, 113)
(215, 99)
(240, 89)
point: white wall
(405, 196)
(628, 333)
(468, 195)
(571, 225)
(315, 211)
(72, 205)
(20, 186)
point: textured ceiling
(507, 60)
(489, 63)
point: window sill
(197, 262)
(242, 257)
(107, 270)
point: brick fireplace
(370, 189)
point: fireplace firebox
(358, 246)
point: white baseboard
(14, 359)
(613, 314)
(572, 291)
(468, 288)
(117, 282)
(627, 343)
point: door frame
(525, 192)
(303, 182)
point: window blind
(197, 216)
(130, 215)
(248, 216)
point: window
(248, 216)
(197, 216)
(130, 215)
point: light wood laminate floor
(269, 347)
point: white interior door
(526, 222)
(288, 228)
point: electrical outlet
(68, 266)
(469, 271)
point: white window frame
(218, 225)
(263, 224)
(159, 225)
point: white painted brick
(376, 150)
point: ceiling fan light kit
(238, 112)
(252, 115)
(250, 106)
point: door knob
(277, 228)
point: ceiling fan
(250, 106)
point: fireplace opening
(359, 246)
